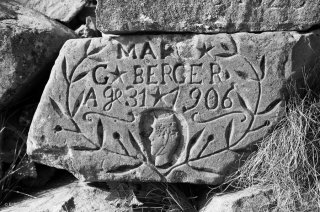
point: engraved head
(165, 139)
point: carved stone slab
(172, 108)
(206, 16)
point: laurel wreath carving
(141, 155)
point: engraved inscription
(162, 103)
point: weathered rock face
(206, 16)
(28, 42)
(175, 108)
(62, 10)
(72, 197)
(248, 200)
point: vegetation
(288, 159)
(10, 162)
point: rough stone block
(175, 108)
(62, 10)
(29, 42)
(206, 16)
(247, 200)
(73, 196)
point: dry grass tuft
(8, 182)
(163, 197)
(288, 159)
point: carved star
(157, 96)
(117, 73)
(204, 50)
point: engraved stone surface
(175, 108)
(62, 10)
(29, 42)
(206, 16)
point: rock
(29, 42)
(248, 200)
(89, 29)
(62, 10)
(175, 108)
(74, 196)
(115, 16)
(88, 10)
(35, 175)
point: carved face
(164, 139)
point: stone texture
(89, 29)
(206, 16)
(175, 108)
(29, 41)
(62, 10)
(248, 200)
(73, 196)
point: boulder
(29, 42)
(74, 196)
(62, 10)
(201, 16)
(88, 30)
(169, 108)
(248, 200)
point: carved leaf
(100, 133)
(202, 169)
(95, 50)
(225, 48)
(263, 67)
(212, 163)
(271, 107)
(56, 107)
(135, 144)
(229, 132)
(124, 168)
(80, 76)
(64, 69)
(197, 152)
(77, 104)
(123, 147)
(242, 102)
(87, 45)
(193, 141)
(249, 73)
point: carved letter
(138, 71)
(194, 73)
(146, 49)
(150, 75)
(98, 80)
(215, 71)
(129, 52)
(91, 96)
(178, 74)
(165, 70)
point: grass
(164, 197)
(10, 163)
(288, 159)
